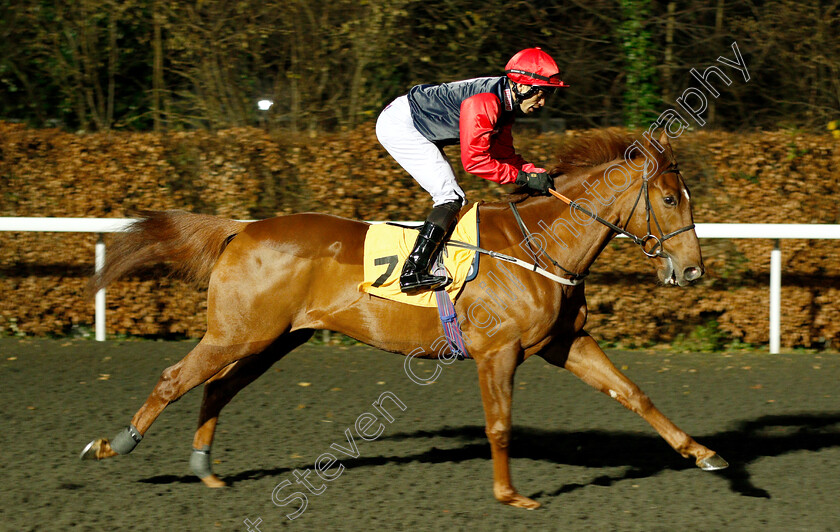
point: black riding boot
(415, 273)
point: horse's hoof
(90, 450)
(520, 501)
(213, 481)
(97, 450)
(712, 463)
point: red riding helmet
(534, 67)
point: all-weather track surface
(591, 463)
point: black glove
(539, 181)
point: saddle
(387, 246)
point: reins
(657, 249)
(578, 278)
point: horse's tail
(191, 243)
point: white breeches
(417, 155)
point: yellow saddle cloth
(387, 246)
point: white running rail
(774, 232)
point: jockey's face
(534, 103)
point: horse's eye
(670, 200)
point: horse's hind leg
(222, 387)
(200, 364)
(587, 360)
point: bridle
(656, 251)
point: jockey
(478, 114)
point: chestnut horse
(273, 282)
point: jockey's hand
(539, 181)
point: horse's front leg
(585, 359)
(495, 376)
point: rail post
(775, 297)
(99, 318)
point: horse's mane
(589, 150)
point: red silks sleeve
(486, 151)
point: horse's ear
(663, 141)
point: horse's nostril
(692, 273)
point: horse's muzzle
(674, 275)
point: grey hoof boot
(200, 463)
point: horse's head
(638, 187)
(658, 211)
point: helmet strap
(520, 97)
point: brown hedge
(760, 177)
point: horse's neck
(573, 240)
(573, 245)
